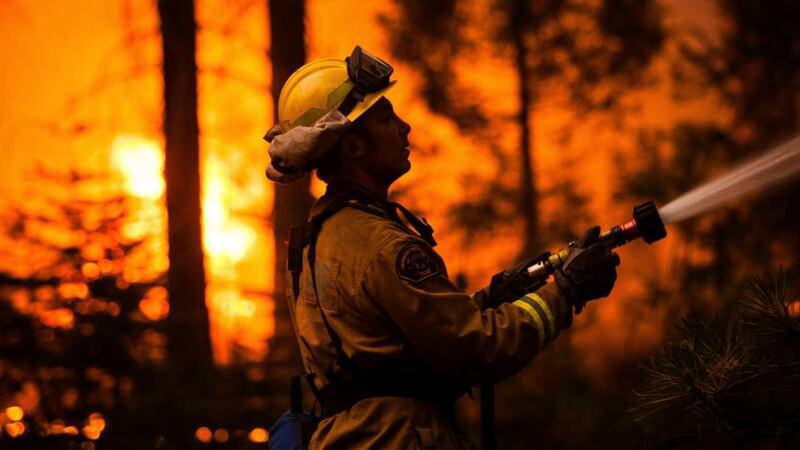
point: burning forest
(154, 295)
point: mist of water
(778, 164)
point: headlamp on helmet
(368, 73)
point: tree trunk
(528, 198)
(189, 343)
(291, 202)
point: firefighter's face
(386, 135)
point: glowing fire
(793, 308)
(14, 429)
(203, 434)
(15, 413)
(94, 426)
(228, 242)
(154, 305)
(141, 161)
(258, 435)
(225, 239)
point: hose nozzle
(646, 224)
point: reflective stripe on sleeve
(550, 319)
(537, 307)
(521, 303)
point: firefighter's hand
(509, 285)
(589, 271)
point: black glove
(589, 271)
(510, 285)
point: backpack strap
(306, 236)
(419, 224)
(302, 235)
(315, 225)
(294, 262)
(346, 392)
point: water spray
(646, 224)
(777, 165)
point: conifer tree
(586, 55)
(749, 68)
(732, 377)
(291, 202)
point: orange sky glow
(84, 91)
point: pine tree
(733, 377)
(749, 69)
(586, 54)
(189, 344)
(291, 202)
(73, 332)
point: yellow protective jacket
(385, 294)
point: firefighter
(388, 342)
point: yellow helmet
(322, 85)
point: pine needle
(738, 373)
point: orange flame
(15, 413)
(203, 434)
(14, 429)
(141, 161)
(228, 242)
(258, 435)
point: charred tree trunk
(189, 343)
(528, 198)
(291, 202)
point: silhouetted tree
(74, 340)
(722, 372)
(750, 68)
(83, 329)
(731, 378)
(187, 397)
(291, 202)
(189, 344)
(588, 54)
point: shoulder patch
(415, 263)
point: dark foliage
(754, 67)
(430, 36)
(750, 69)
(105, 358)
(733, 377)
(104, 355)
(584, 54)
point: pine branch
(730, 374)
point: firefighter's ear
(353, 146)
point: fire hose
(646, 225)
